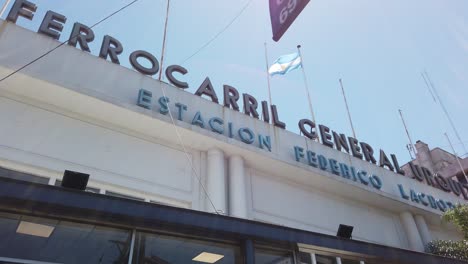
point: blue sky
(378, 48)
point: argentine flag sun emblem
(285, 64)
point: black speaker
(75, 180)
(344, 231)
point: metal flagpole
(307, 88)
(164, 41)
(267, 73)
(454, 153)
(4, 7)
(347, 109)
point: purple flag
(283, 13)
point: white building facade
(72, 110)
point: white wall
(75, 81)
(444, 232)
(58, 115)
(278, 201)
(57, 142)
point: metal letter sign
(283, 13)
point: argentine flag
(285, 64)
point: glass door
(316, 258)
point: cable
(219, 33)
(442, 105)
(428, 87)
(162, 88)
(455, 144)
(181, 142)
(64, 42)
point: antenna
(428, 87)
(456, 156)
(431, 86)
(410, 146)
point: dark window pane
(304, 258)
(11, 174)
(88, 189)
(162, 249)
(349, 261)
(124, 196)
(325, 259)
(62, 242)
(156, 202)
(263, 256)
(461, 178)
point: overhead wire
(189, 159)
(442, 105)
(219, 33)
(66, 41)
(170, 114)
(162, 89)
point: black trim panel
(44, 200)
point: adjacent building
(440, 162)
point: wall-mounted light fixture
(345, 231)
(75, 180)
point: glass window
(61, 241)
(349, 261)
(157, 202)
(88, 189)
(325, 259)
(163, 249)
(11, 174)
(461, 178)
(265, 256)
(124, 196)
(304, 258)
